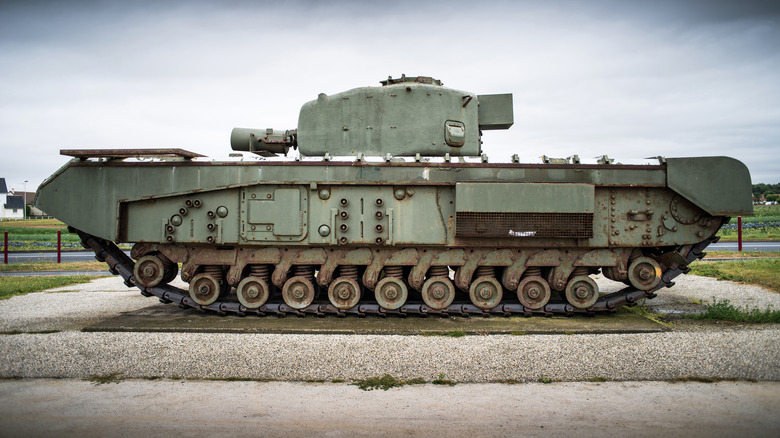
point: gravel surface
(733, 351)
(690, 291)
(729, 353)
(70, 307)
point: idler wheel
(644, 273)
(344, 293)
(298, 292)
(486, 292)
(582, 292)
(252, 292)
(438, 292)
(204, 289)
(149, 271)
(533, 292)
(391, 293)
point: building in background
(28, 198)
(12, 205)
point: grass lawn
(712, 255)
(761, 272)
(10, 286)
(724, 311)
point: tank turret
(404, 117)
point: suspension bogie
(485, 278)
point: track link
(120, 263)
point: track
(120, 263)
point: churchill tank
(390, 207)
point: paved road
(52, 273)
(172, 408)
(746, 246)
(34, 257)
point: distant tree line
(766, 192)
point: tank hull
(482, 232)
(135, 202)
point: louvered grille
(562, 225)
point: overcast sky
(627, 79)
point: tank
(391, 207)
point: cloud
(623, 78)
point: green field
(763, 225)
(53, 266)
(38, 234)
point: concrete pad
(72, 408)
(169, 318)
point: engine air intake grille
(563, 225)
